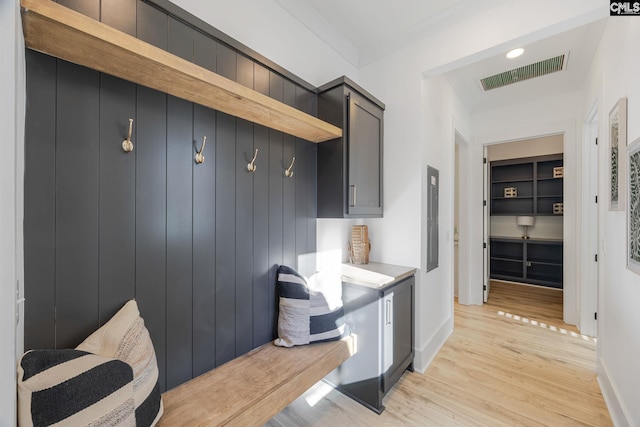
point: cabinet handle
(355, 195)
(388, 320)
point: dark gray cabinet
(382, 320)
(534, 261)
(527, 186)
(350, 168)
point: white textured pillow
(125, 337)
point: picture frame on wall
(633, 206)
(617, 148)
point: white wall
(11, 123)
(614, 75)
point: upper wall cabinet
(350, 168)
(527, 186)
(63, 33)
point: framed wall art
(633, 207)
(617, 147)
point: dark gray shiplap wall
(196, 245)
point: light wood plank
(61, 32)
(250, 389)
(494, 370)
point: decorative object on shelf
(558, 172)
(289, 171)
(633, 208)
(251, 166)
(617, 146)
(127, 144)
(199, 155)
(525, 222)
(558, 208)
(510, 192)
(359, 245)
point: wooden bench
(251, 389)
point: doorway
(525, 221)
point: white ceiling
(356, 28)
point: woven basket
(359, 246)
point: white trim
(12, 94)
(424, 356)
(464, 277)
(586, 295)
(618, 412)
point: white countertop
(374, 274)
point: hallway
(511, 362)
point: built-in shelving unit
(535, 261)
(536, 190)
(63, 33)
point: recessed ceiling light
(515, 53)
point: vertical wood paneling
(204, 51)
(204, 226)
(276, 91)
(77, 133)
(225, 238)
(151, 194)
(226, 65)
(312, 204)
(119, 14)
(90, 8)
(196, 245)
(261, 325)
(306, 101)
(289, 187)
(39, 202)
(151, 218)
(180, 41)
(302, 188)
(180, 141)
(116, 197)
(179, 240)
(151, 25)
(244, 221)
(204, 242)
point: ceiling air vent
(526, 72)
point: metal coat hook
(289, 172)
(127, 144)
(199, 155)
(251, 167)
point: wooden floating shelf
(63, 33)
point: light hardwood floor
(511, 362)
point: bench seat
(251, 389)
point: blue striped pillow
(309, 315)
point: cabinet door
(399, 312)
(365, 157)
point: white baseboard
(427, 353)
(617, 410)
